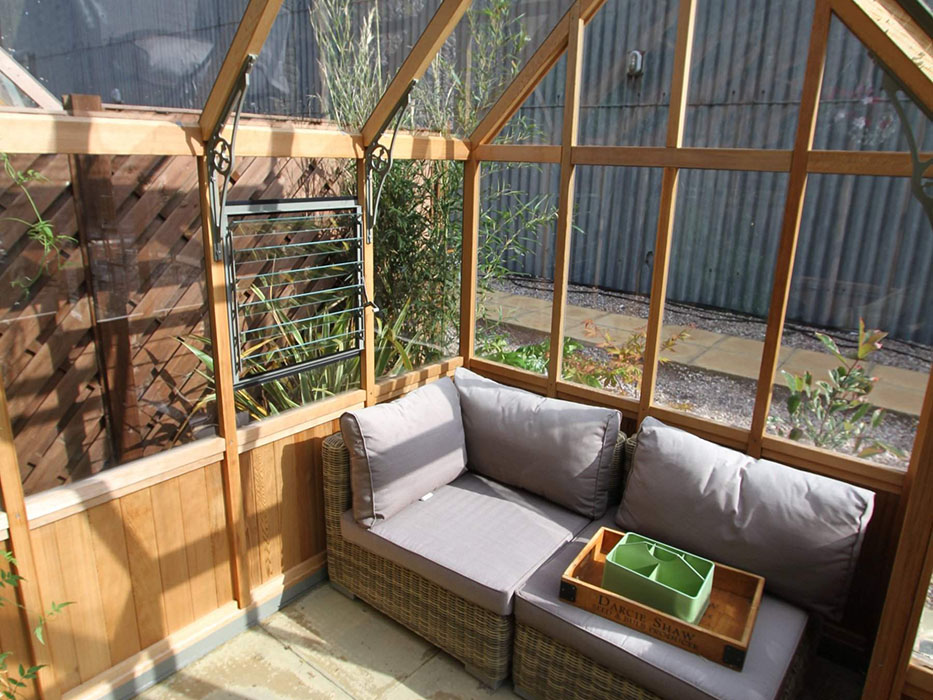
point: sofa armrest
(336, 473)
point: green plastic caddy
(660, 576)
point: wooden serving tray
(721, 635)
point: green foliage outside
(14, 676)
(836, 414)
(618, 367)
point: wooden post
(913, 566)
(110, 268)
(468, 261)
(790, 226)
(565, 205)
(368, 358)
(27, 594)
(226, 408)
(662, 247)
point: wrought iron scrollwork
(221, 155)
(378, 159)
(921, 184)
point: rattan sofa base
(546, 669)
(481, 640)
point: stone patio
(897, 389)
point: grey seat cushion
(401, 450)
(801, 531)
(557, 449)
(474, 537)
(664, 669)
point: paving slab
(355, 646)
(251, 665)
(697, 336)
(443, 678)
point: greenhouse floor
(899, 389)
(326, 646)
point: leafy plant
(622, 368)
(836, 414)
(40, 230)
(532, 357)
(392, 355)
(13, 684)
(625, 363)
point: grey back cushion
(403, 450)
(557, 449)
(801, 531)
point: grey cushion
(801, 531)
(474, 537)
(557, 449)
(402, 450)
(664, 669)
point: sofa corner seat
(436, 584)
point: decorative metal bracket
(378, 160)
(920, 183)
(221, 155)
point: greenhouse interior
(630, 292)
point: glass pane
(855, 113)
(503, 35)
(356, 51)
(746, 74)
(515, 271)
(540, 119)
(99, 337)
(135, 52)
(923, 646)
(417, 258)
(628, 59)
(611, 258)
(479, 61)
(865, 255)
(726, 232)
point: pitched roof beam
(550, 51)
(422, 53)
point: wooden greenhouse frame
(130, 506)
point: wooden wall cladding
(284, 501)
(137, 569)
(149, 563)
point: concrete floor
(324, 646)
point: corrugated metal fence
(866, 249)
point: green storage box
(659, 576)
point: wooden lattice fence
(50, 334)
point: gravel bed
(894, 353)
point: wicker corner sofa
(542, 664)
